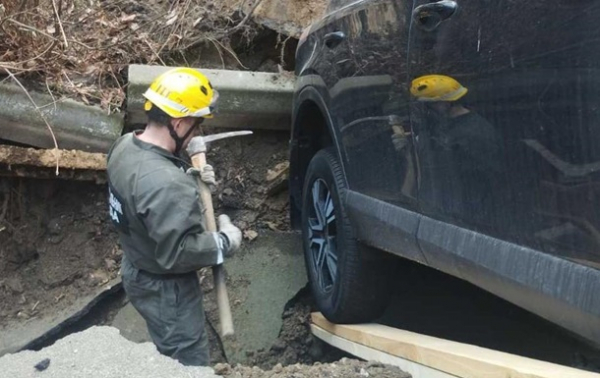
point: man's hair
(158, 116)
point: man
(460, 152)
(155, 207)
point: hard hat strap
(179, 140)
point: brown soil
(295, 344)
(55, 245)
(56, 242)
(347, 368)
(244, 168)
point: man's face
(182, 127)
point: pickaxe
(197, 149)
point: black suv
(463, 135)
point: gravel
(99, 352)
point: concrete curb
(252, 100)
(76, 126)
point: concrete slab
(272, 266)
(18, 335)
(254, 100)
(75, 125)
(131, 325)
(261, 278)
(98, 352)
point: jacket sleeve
(169, 205)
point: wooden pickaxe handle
(199, 161)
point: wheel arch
(312, 130)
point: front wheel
(348, 288)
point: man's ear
(176, 123)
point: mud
(347, 368)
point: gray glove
(399, 138)
(399, 141)
(207, 174)
(231, 232)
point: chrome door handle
(429, 16)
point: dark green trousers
(172, 309)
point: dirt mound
(347, 368)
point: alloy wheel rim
(322, 235)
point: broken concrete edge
(248, 100)
(111, 288)
(67, 159)
(37, 338)
(76, 126)
(42, 164)
(97, 177)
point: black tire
(358, 289)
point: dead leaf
(128, 18)
(272, 226)
(278, 170)
(250, 234)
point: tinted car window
(524, 162)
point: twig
(282, 53)
(51, 95)
(31, 28)
(60, 23)
(229, 51)
(227, 32)
(41, 115)
(248, 15)
(154, 52)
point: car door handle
(334, 38)
(429, 16)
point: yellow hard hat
(182, 92)
(437, 88)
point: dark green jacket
(155, 207)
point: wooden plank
(461, 360)
(416, 370)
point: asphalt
(99, 352)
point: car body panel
(523, 221)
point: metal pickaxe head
(200, 144)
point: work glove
(399, 138)
(399, 141)
(231, 232)
(207, 174)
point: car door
(369, 105)
(508, 149)
(523, 167)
